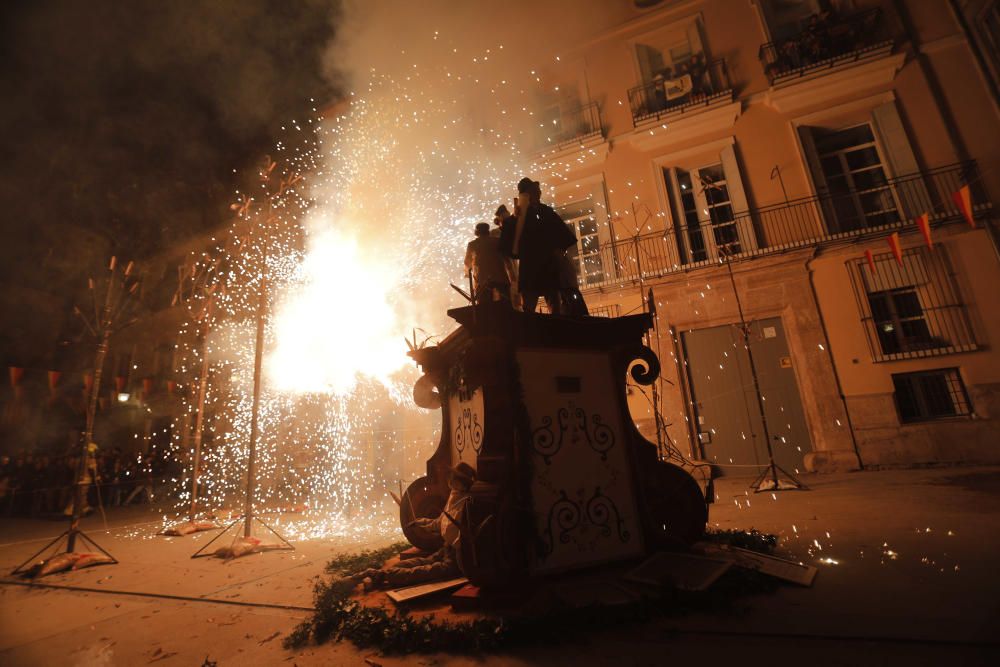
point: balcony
(694, 86)
(825, 218)
(572, 128)
(825, 44)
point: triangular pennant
(924, 224)
(897, 249)
(871, 261)
(963, 200)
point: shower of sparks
(348, 239)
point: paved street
(907, 573)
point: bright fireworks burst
(348, 241)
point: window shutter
(815, 171)
(676, 213)
(812, 159)
(650, 61)
(892, 138)
(733, 179)
(738, 198)
(694, 37)
(599, 197)
(912, 193)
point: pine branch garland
(338, 617)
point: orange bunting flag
(871, 261)
(963, 200)
(897, 250)
(924, 224)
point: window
(668, 50)
(865, 175)
(691, 221)
(928, 395)
(785, 18)
(856, 178)
(586, 257)
(567, 122)
(983, 19)
(913, 310)
(707, 202)
(706, 187)
(899, 321)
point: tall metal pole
(79, 497)
(657, 424)
(255, 414)
(745, 330)
(199, 421)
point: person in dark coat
(539, 239)
(503, 219)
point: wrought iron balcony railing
(688, 87)
(572, 127)
(824, 43)
(820, 219)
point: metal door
(725, 408)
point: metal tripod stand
(770, 478)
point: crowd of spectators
(42, 485)
(822, 36)
(683, 82)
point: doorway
(725, 409)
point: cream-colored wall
(977, 273)
(942, 85)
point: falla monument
(537, 405)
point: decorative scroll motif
(469, 432)
(583, 523)
(566, 515)
(547, 442)
(604, 437)
(602, 512)
(648, 369)
(544, 441)
(425, 393)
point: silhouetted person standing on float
(539, 238)
(503, 219)
(485, 264)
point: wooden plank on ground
(683, 571)
(412, 593)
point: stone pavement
(907, 575)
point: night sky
(123, 122)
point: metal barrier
(573, 127)
(823, 218)
(827, 42)
(686, 87)
(913, 308)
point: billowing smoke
(440, 117)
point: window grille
(914, 310)
(929, 395)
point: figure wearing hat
(539, 239)
(485, 265)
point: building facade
(752, 162)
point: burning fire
(338, 322)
